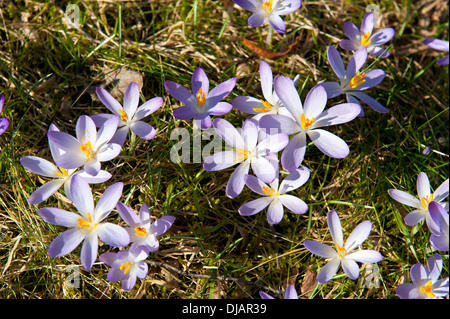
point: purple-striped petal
(106, 131)
(86, 130)
(356, 62)
(378, 51)
(382, 36)
(330, 144)
(277, 23)
(185, 112)
(290, 293)
(328, 271)
(247, 104)
(266, 75)
(351, 30)
(350, 268)
(127, 214)
(65, 242)
(4, 124)
(407, 291)
(335, 60)
(218, 93)
(236, 182)
(45, 191)
(263, 169)
(294, 204)
(143, 130)
(358, 236)
(293, 154)
(162, 225)
(108, 201)
(254, 206)
(277, 123)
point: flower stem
(269, 37)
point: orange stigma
(306, 122)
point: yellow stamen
(266, 107)
(426, 200)
(341, 250)
(357, 80)
(241, 155)
(306, 122)
(61, 172)
(427, 290)
(83, 223)
(201, 97)
(364, 40)
(267, 5)
(139, 231)
(87, 149)
(123, 116)
(270, 191)
(125, 266)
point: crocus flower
(126, 265)
(308, 121)
(201, 103)
(269, 11)
(90, 147)
(343, 254)
(425, 281)
(4, 122)
(439, 238)
(87, 225)
(59, 175)
(440, 45)
(274, 194)
(260, 107)
(352, 81)
(250, 148)
(363, 37)
(425, 197)
(289, 294)
(130, 114)
(142, 231)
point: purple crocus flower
(87, 225)
(425, 281)
(271, 104)
(250, 148)
(274, 194)
(352, 81)
(425, 197)
(289, 294)
(59, 175)
(90, 147)
(440, 45)
(363, 38)
(201, 103)
(343, 254)
(4, 122)
(269, 11)
(130, 114)
(308, 121)
(126, 265)
(142, 231)
(440, 237)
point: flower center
(270, 191)
(242, 155)
(266, 107)
(341, 251)
(365, 39)
(426, 200)
(123, 116)
(306, 122)
(139, 231)
(125, 267)
(87, 149)
(201, 97)
(61, 172)
(427, 290)
(268, 6)
(85, 224)
(357, 80)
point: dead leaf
(309, 282)
(120, 79)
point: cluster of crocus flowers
(269, 11)
(439, 45)
(363, 37)
(201, 103)
(343, 254)
(352, 80)
(425, 281)
(130, 114)
(4, 122)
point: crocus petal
(236, 182)
(102, 176)
(131, 99)
(266, 76)
(351, 30)
(249, 133)
(99, 119)
(162, 225)
(335, 60)
(86, 130)
(356, 62)
(443, 61)
(120, 136)
(81, 195)
(338, 114)
(45, 191)
(328, 271)
(113, 235)
(127, 214)
(290, 293)
(264, 295)
(247, 104)
(439, 242)
(367, 23)
(372, 78)
(39, 166)
(333, 89)
(374, 104)
(441, 192)
(414, 217)
(441, 288)
(418, 273)
(89, 250)
(263, 169)
(407, 291)
(108, 100)
(293, 154)
(350, 268)
(2, 102)
(108, 258)
(434, 267)
(199, 80)
(294, 204)
(59, 217)
(71, 160)
(143, 130)
(365, 256)
(294, 180)
(437, 44)
(114, 274)
(185, 112)
(275, 211)
(423, 185)
(254, 206)
(178, 92)
(277, 23)
(221, 91)
(246, 4)
(255, 184)
(404, 198)
(276, 123)
(320, 249)
(287, 93)
(288, 6)
(228, 133)
(221, 108)
(148, 108)
(348, 45)
(334, 224)
(256, 19)
(439, 216)
(65, 141)
(66, 242)
(358, 235)
(110, 151)
(108, 200)
(220, 160)
(141, 269)
(330, 144)
(378, 51)
(92, 167)
(4, 124)
(382, 36)
(106, 131)
(315, 101)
